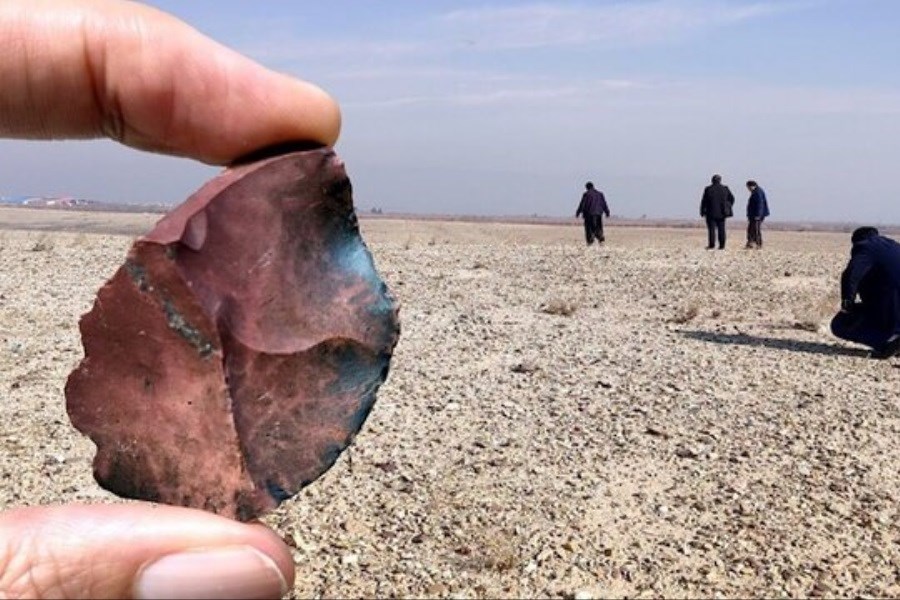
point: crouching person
(872, 275)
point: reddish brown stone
(238, 350)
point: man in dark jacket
(757, 211)
(716, 206)
(873, 274)
(592, 207)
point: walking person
(873, 275)
(592, 208)
(716, 205)
(757, 211)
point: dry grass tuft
(564, 308)
(43, 244)
(494, 551)
(810, 315)
(812, 326)
(685, 314)
(500, 553)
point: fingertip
(272, 545)
(329, 124)
(307, 113)
(230, 572)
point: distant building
(41, 201)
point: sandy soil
(646, 419)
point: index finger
(123, 70)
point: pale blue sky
(507, 108)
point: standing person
(757, 211)
(873, 274)
(716, 205)
(592, 207)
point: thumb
(138, 551)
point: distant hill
(627, 222)
(78, 204)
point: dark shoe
(710, 247)
(890, 349)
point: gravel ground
(644, 419)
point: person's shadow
(743, 339)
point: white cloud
(623, 23)
(287, 49)
(494, 97)
(601, 96)
(430, 73)
(636, 22)
(743, 97)
(395, 102)
(513, 96)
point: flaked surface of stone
(238, 350)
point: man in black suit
(873, 275)
(716, 205)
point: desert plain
(642, 419)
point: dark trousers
(866, 327)
(593, 228)
(714, 226)
(754, 232)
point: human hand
(94, 68)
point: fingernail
(236, 572)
